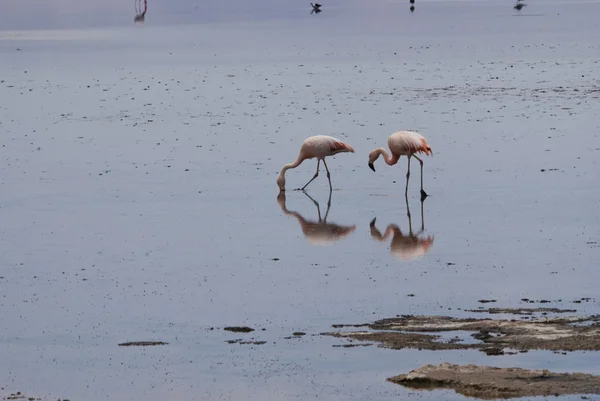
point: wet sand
(138, 198)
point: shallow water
(138, 194)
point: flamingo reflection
(140, 14)
(405, 247)
(317, 232)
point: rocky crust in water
(422, 332)
(238, 329)
(141, 343)
(521, 311)
(486, 382)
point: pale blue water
(138, 197)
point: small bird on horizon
(519, 5)
(316, 6)
(319, 146)
(403, 143)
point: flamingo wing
(336, 146)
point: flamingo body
(319, 146)
(407, 143)
(403, 143)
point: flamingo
(321, 232)
(319, 146)
(405, 247)
(403, 143)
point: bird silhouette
(519, 5)
(403, 143)
(317, 232)
(319, 146)
(140, 15)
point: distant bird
(140, 15)
(412, 9)
(403, 143)
(321, 232)
(519, 5)
(316, 6)
(319, 146)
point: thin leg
(407, 177)
(328, 175)
(422, 218)
(408, 214)
(328, 206)
(315, 176)
(316, 204)
(423, 193)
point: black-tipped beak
(371, 166)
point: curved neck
(390, 160)
(291, 165)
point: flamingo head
(281, 182)
(372, 157)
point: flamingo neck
(294, 164)
(390, 160)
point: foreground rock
(489, 335)
(486, 382)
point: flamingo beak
(371, 166)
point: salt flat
(138, 198)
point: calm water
(138, 197)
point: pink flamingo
(319, 146)
(403, 143)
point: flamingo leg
(328, 175)
(317, 205)
(408, 215)
(407, 177)
(423, 193)
(422, 218)
(328, 206)
(315, 176)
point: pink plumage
(407, 143)
(319, 146)
(403, 143)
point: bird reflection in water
(405, 247)
(317, 232)
(140, 14)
